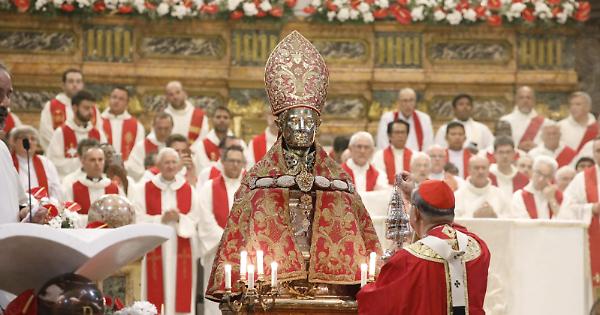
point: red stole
(259, 146)
(519, 181)
(390, 162)
(466, 156)
(490, 157)
(220, 201)
(38, 167)
(128, 135)
(590, 133)
(591, 192)
(372, 175)
(81, 194)
(212, 150)
(70, 139)
(532, 129)
(214, 173)
(529, 201)
(149, 147)
(154, 270)
(566, 156)
(418, 128)
(58, 111)
(195, 124)
(9, 123)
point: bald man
(438, 156)
(478, 198)
(366, 176)
(525, 122)
(420, 165)
(580, 126)
(189, 121)
(420, 134)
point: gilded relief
(37, 41)
(205, 47)
(472, 51)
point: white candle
(227, 277)
(243, 263)
(273, 274)
(162, 309)
(250, 276)
(372, 258)
(260, 270)
(363, 274)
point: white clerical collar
(352, 165)
(396, 150)
(95, 183)
(108, 115)
(590, 120)
(478, 190)
(77, 128)
(494, 169)
(468, 121)
(401, 115)
(531, 114)
(558, 149)
(188, 106)
(152, 138)
(529, 187)
(63, 98)
(212, 136)
(232, 181)
(163, 184)
(439, 175)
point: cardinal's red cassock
(418, 281)
(342, 231)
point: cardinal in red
(444, 272)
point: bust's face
(299, 127)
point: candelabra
(260, 296)
(397, 223)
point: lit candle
(260, 270)
(250, 276)
(363, 274)
(372, 258)
(162, 309)
(227, 277)
(243, 262)
(273, 274)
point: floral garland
(452, 12)
(179, 9)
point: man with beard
(62, 150)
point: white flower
(162, 9)
(233, 4)
(250, 9)
(40, 4)
(315, 3)
(542, 10)
(382, 3)
(83, 3)
(266, 6)
(439, 15)
(57, 3)
(417, 13)
(139, 6)
(454, 18)
(449, 4)
(561, 17)
(343, 14)
(55, 222)
(354, 14)
(110, 4)
(514, 12)
(368, 17)
(470, 15)
(198, 3)
(330, 15)
(568, 8)
(179, 11)
(364, 7)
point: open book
(32, 254)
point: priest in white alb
(540, 199)
(456, 153)
(478, 198)
(122, 130)
(62, 150)
(420, 136)
(553, 147)
(420, 165)
(438, 157)
(43, 173)
(189, 120)
(59, 110)
(580, 126)
(162, 126)
(169, 272)
(365, 176)
(478, 134)
(216, 169)
(216, 200)
(395, 158)
(11, 121)
(524, 121)
(260, 144)
(503, 173)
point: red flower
(354, 4)
(236, 15)
(517, 1)
(494, 20)
(556, 11)
(99, 6)
(402, 2)
(22, 5)
(310, 10)
(462, 5)
(72, 206)
(108, 301)
(210, 8)
(581, 16)
(494, 4)
(52, 210)
(119, 304)
(527, 15)
(480, 11)
(403, 16)
(553, 2)
(125, 9)
(369, 2)
(380, 14)
(331, 6)
(150, 6)
(291, 3)
(276, 12)
(67, 7)
(261, 13)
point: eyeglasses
(234, 161)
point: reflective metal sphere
(70, 294)
(114, 210)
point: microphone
(3, 115)
(27, 146)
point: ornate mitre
(296, 75)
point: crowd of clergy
(185, 171)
